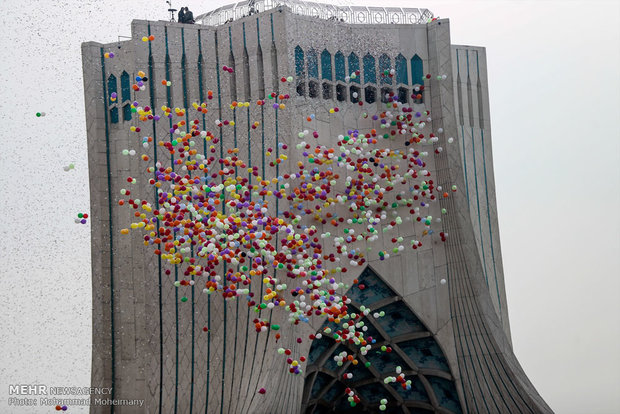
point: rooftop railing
(346, 14)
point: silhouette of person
(182, 15)
(189, 16)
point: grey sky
(554, 80)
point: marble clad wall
(149, 345)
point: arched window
(326, 65)
(313, 64)
(125, 87)
(112, 89)
(299, 62)
(417, 71)
(341, 71)
(370, 72)
(384, 68)
(400, 64)
(354, 65)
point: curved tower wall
(149, 345)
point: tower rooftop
(347, 14)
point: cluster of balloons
(40, 114)
(61, 408)
(109, 55)
(216, 217)
(81, 218)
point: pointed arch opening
(370, 71)
(412, 347)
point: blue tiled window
(299, 62)
(127, 112)
(313, 64)
(125, 87)
(400, 64)
(417, 71)
(112, 88)
(114, 115)
(341, 71)
(370, 71)
(326, 65)
(354, 65)
(384, 65)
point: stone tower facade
(445, 303)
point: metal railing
(347, 14)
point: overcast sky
(554, 82)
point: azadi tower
(437, 337)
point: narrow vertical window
(126, 112)
(354, 66)
(386, 94)
(370, 72)
(339, 66)
(384, 68)
(114, 115)
(313, 89)
(328, 90)
(370, 94)
(326, 65)
(402, 95)
(417, 71)
(112, 89)
(355, 94)
(400, 64)
(313, 64)
(300, 71)
(125, 87)
(341, 93)
(299, 62)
